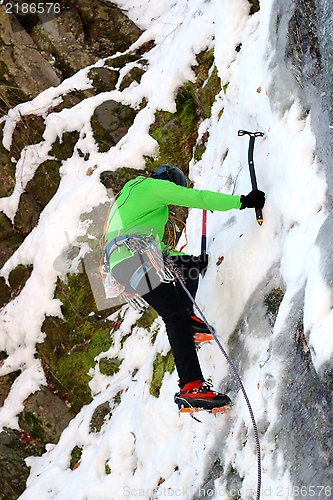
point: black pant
(171, 302)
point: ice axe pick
(253, 135)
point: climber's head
(170, 173)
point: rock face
(111, 120)
(21, 63)
(44, 418)
(82, 33)
(37, 53)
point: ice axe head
(251, 134)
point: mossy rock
(68, 355)
(4, 292)
(6, 381)
(162, 364)
(72, 343)
(27, 214)
(121, 61)
(176, 133)
(76, 455)
(107, 29)
(110, 122)
(40, 190)
(33, 423)
(8, 246)
(11, 94)
(6, 228)
(207, 86)
(44, 417)
(134, 75)
(72, 99)
(147, 318)
(7, 173)
(117, 180)
(109, 366)
(45, 183)
(98, 417)
(15, 446)
(19, 275)
(255, 6)
(63, 149)
(272, 302)
(28, 131)
(104, 79)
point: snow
(146, 440)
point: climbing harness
(173, 270)
(150, 256)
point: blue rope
(240, 383)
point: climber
(135, 256)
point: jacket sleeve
(168, 193)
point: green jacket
(143, 205)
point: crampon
(198, 396)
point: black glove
(255, 199)
(203, 263)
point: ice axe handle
(204, 258)
(254, 184)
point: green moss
(161, 365)
(35, 426)
(71, 344)
(6, 381)
(76, 295)
(199, 152)
(207, 86)
(109, 366)
(147, 319)
(107, 469)
(176, 133)
(76, 455)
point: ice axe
(253, 135)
